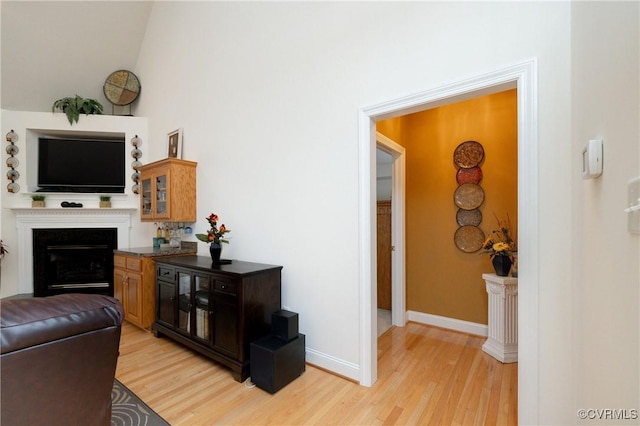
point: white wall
(268, 95)
(55, 49)
(606, 257)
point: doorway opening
(391, 155)
(523, 78)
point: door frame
(398, 260)
(522, 76)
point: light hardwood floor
(426, 376)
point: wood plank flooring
(426, 376)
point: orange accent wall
(441, 279)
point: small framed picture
(175, 144)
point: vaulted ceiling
(51, 49)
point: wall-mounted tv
(81, 165)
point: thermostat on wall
(592, 159)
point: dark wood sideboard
(217, 310)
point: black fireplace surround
(73, 260)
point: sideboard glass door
(184, 302)
(203, 310)
(194, 312)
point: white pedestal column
(502, 343)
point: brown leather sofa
(58, 359)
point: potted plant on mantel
(75, 106)
(37, 201)
(105, 201)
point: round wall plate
(122, 87)
(469, 238)
(468, 154)
(468, 196)
(469, 217)
(470, 175)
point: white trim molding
(522, 76)
(448, 323)
(28, 219)
(333, 364)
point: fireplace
(73, 260)
(29, 220)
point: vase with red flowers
(215, 237)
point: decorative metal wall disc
(470, 175)
(121, 87)
(469, 217)
(468, 154)
(469, 238)
(469, 196)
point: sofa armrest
(29, 322)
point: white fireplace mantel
(28, 219)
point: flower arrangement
(215, 234)
(500, 241)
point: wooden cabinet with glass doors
(168, 191)
(217, 310)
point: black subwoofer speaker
(275, 363)
(284, 325)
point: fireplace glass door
(74, 260)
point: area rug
(129, 410)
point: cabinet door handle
(172, 298)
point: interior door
(384, 254)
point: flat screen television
(81, 165)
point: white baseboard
(448, 323)
(333, 364)
(352, 371)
